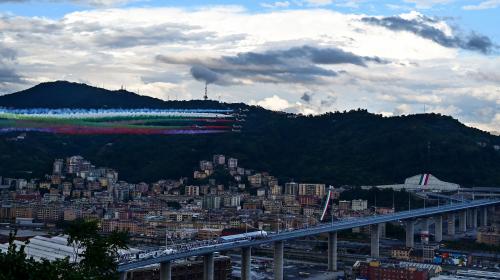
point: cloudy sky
(307, 56)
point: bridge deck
(323, 228)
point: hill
(355, 148)
(63, 94)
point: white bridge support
(484, 216)
(492, 210)
(123, 275)
(166, 270)
(246, 263)
(469, 218)
(426, 224)
(383, 230)
(462, 221)
(332, 251)
(474, 218)
(451, 223)
(375, 240)
(438, 228)
(208, 267)
(278, 260)
(410, 229)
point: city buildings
(317, 190)
(489, 235)
(376, 270)
(220, 196)
(359, 204)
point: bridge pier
(438, 228)
(467, 219)
(462, 221)
(451, 224)
(278, 260)
(208, 267)
(474, 218)
(484, 216)
(166, 270)
(426, 223)
(410, 229)
(123, 275)
(332, 251)
(491, 215)
(375, 240)
(246, 262)
(383, 230)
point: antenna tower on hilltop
(205, 97)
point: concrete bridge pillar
(332, 251)
(410, 229)
(375, 240)
(462, 221)
(426, 223)
(469, 218)
(278, 260)
(451, 224)
(484, 216)
(208, 267)
(246, 262)
(438, 228)
(383, 231)
(166, 270)
(492, 211)
(474, 218)
(123, 275)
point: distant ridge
(63, 94)
(354, 148)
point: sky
(301, 56)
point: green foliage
(15, 265)
(349, 235)
(384, 198)
(97, 261)
(396, 231)
(174, 204)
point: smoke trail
(117, 121)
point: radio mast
(205, 97)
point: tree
(14, 264)
(98, 258)
(97, 255)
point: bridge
(469, 213)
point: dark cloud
(7, 53)
(311, 54)
(306, 97)
(202, 73)
(294, 65)
(7, 74)
(328, 101)
(422, 26)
